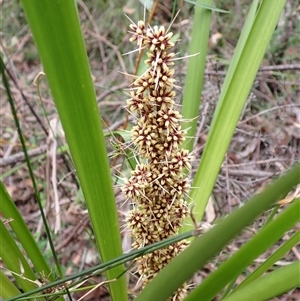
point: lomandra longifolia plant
(158, 185)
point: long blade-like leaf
(57, 34)
(232, 102)
(277, 255)
(10, 212)
(195, 71)
(8, 289)
(239, 261)
(14, 260)
(270, 285)
(211, 242)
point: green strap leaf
(210, 243)
(232, 100)
(271, 285)
(56, 30)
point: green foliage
(56, 30)
(195, 72)
(269, 285)
(251, 47)
(66, 66)
(212, 242)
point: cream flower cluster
(158, 185)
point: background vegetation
(266, 141)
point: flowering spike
(159, 185)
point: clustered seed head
(158, 186)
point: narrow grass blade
(195, 70)
(98, 269)
(14, 260)
(237, 54)
(38, 259)
(232, 102)
(10, 212)
(57, 34)
(271, 285)
(271, 260)
(7, 288)
(235, 265)
(212, 242)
